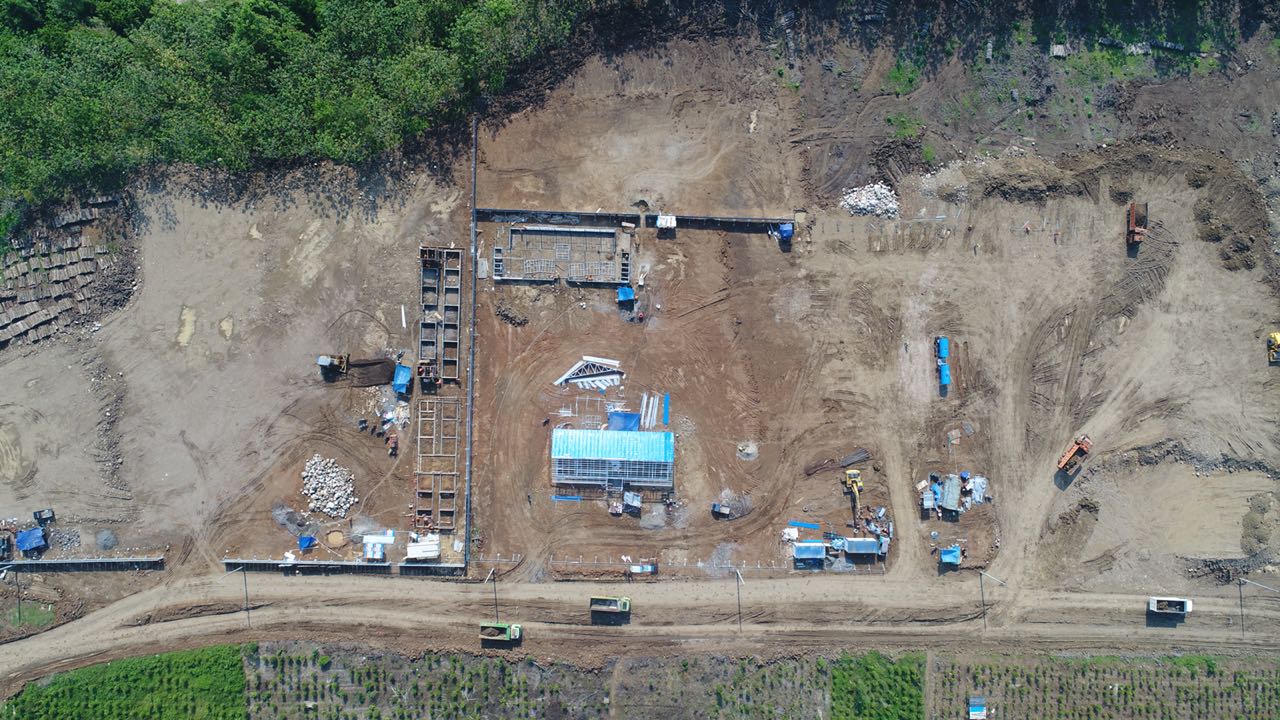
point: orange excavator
(1137, 224)
(1079, 450)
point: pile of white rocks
(329, 487)
(874, 199)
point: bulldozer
(1136, 227)
(1273, 348)
(1079, 450)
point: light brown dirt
(1018, 258)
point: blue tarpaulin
(626, 294)
(400, 381)
(809, 551)
(32, 539)
(786, 230)
(951, 555)
(306, 542)
(624, 421)
(950, 499)
(943, 346)
(666, 409)
(944, 374)
(805, 525)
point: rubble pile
(875, 199)
(64, 539)
(329, 487)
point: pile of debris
(510, 316)
(875, 199)
(329, 487)
(64, 539)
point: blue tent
(626, 294)
(306, 542)
(32, 539)
(951, 555)
(400, 381)
(943, 346)
(624, 421)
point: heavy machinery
(500, 632)
(1079, 450)
(1137, 223)
(605, 604)
(1273, 347)
(853, 488)
(334, 363)
(1168, 605)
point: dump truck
(1168, 605)
(1136, 225)
(610, 604)
(1273, 348)
(500, 632)
(1079, 450)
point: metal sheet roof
(862, 546)
(570, 444)
(808, 551)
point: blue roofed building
(613, 460)
(31, 541)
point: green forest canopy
(92, 89)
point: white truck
(1168, 605)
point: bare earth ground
(1019, 260)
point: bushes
(89, 92)
(873, 687)
(208, 683)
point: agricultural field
(1108, 688)
(206, 683)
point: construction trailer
(613, 460)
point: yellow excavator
(1273, 348)
(853, 488)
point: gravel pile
(329, 487)
(64, 539)
(875, 199)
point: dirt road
(779, 618)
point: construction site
(780, 350)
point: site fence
(94, 564)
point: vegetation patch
(905, 125)
(1186, 687)
(33, 615)
(874, 687)
(207, 684)
(91, 91)
(902, 78)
